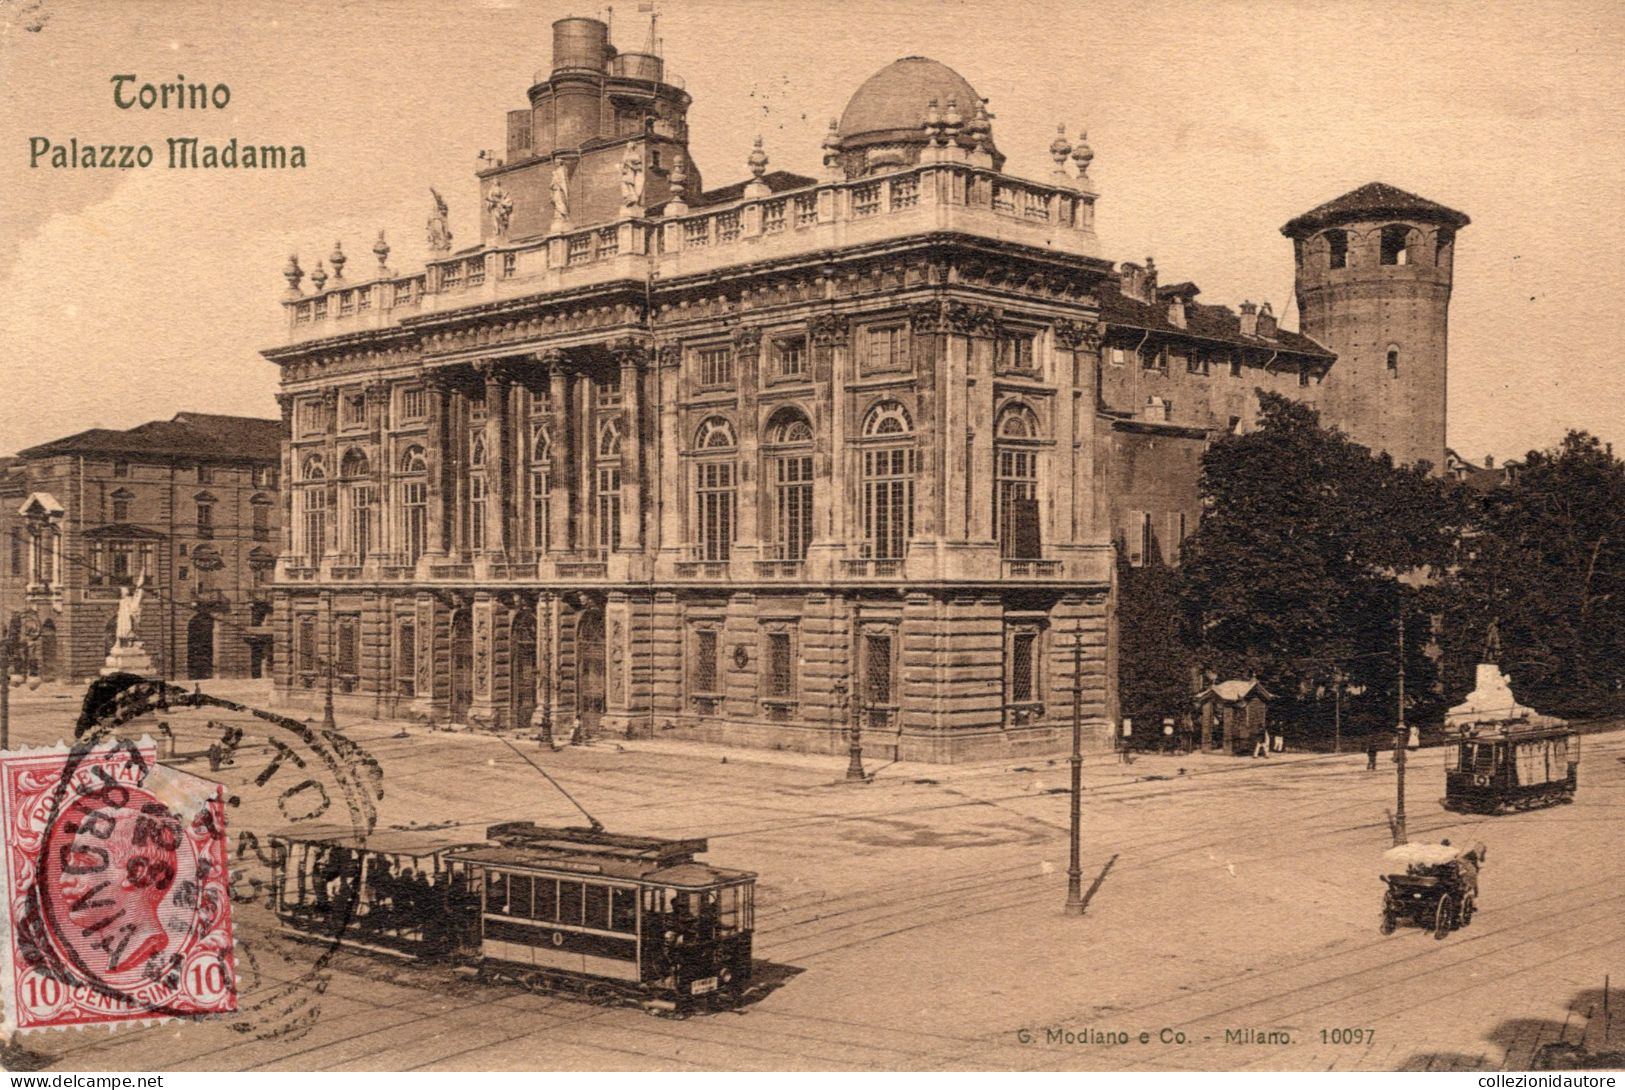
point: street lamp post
(1074, 872)
(854, 764)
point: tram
(1512, 766)
(581, 911)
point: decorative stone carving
(630, 352)
(439, 228)
(748, 341)
(632, 177)
(337, 260)
(482, 650)
(929, 317)
(1075, 336)
(376, 393)
(284, 403)
(380, 250)
(975, 320)
(499, 205)
(829, 329)
(559, 188)
(554, 359)
(294, 274)
(617, 662)
(319, 277)
(670, 355)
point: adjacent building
(759, 463)
(186, 505)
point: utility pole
(1074, 872)
(1402, 736)
(854, 765)
(1337, 712)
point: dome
(893, 101)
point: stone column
(498, 381)
(747, 363)
(563, 453)
(935, 450)
(834, 493)
(427, 704)
(632, 357)
(438, 385)
(979, 325)
(377, 394)
(330, 447)
(483, 710)
(1077, 351)
(669, 380)
(546, 658)
(285, 492)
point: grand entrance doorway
(462, 663)
(590, 669)
(200, 646)
(522, 677)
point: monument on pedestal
(1492, 702)
(127, 656)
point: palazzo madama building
(747, 464)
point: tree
(1544, 558)
(1309, 547)
(1154, 665)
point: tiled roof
(1202, 322)
(1370, 201)
(188, 435)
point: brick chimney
(1249, 319)
(1266, 322)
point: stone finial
(1060, 148)
(337, 260)
(933, 122)
(832, 151)
(380, 250)
(678, 204)
(952, 122)
(980, 129)
(319, 277)
(1083, 154)
(758, 158)
(293, 274)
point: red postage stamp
(117, 898)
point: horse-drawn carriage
(1433, 886)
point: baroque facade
(188, 506)
(753, 464)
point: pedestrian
(1371, 754)
(1260, 747)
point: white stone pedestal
(128, 658)
(1491, 701)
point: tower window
(1393, 360)
(1337, 249)
(1396, 244)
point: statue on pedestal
(127, 656)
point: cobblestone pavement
(915, 921)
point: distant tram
(601, 915)
(1512, 767)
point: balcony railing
(937, 196)
(702, 569)
(869, 567)
(780, 569)
(1031, 569)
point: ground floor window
(305, 643)
(406, 658)
(705, 679)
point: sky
(132, 295)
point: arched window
(121, 505)
(608, 480)
(790, 468)
(541, 488)
(356, 501)
(474, 529)
(714, 482)
(1015, 495)
(1337, 248)
(414, 503)
(888, 418)
(1396, 245)
(888, 481)
(312, 499)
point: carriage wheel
(1443, 916)
(1389, 923)
(1468, 907)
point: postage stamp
(116, 885)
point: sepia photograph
(717, 536)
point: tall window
(348, 632)
(541, 489)
(877, 668)
(715, 445)
(1021, 677)
(356, 502)
(1337, 248)
(412, 403)
(779, 679)
(1396, 245)
(716, 366)
(887, 348)
(313, 498)
(888, 481)
(790, 439)
(790, 357)
(414, 487)
(475, 535)
(1015, 497)
(305, 644)
(406, 658)
(121, 506)
(16, 550)
(705, 660)
(609, 486)
(1016, 352)
(205, 515)
(260, 517)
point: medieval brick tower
(1373, 285)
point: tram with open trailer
(580, 911)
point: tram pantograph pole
(1074, 872)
